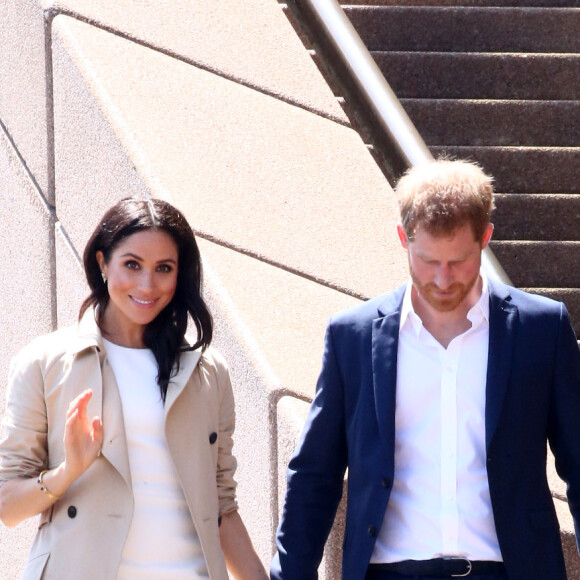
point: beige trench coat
(83, 533)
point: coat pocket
(35, 568)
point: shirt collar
(477, 313)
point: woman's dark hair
(165, 334)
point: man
(439, 398)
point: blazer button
(372, 531)
(213, 438)
(386, 482)
(72, 511)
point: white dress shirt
(440, 503)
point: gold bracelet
(43, 487)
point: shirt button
(213, 438)
(372, 531)
(72, 512)
(386, 482)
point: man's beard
(447, 304)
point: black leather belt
(441, 567)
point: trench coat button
(71, 511)
(213, 438)
(372, 531)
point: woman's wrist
(55, 482)
(44, 488)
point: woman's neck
(127, 335)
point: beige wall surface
(26, 288)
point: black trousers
(383, 575)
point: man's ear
(402, 236)
(486, 236)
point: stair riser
(523, 170)
(537, 217)
(481, 76)
(477, 123)
(549, 264)
(463, 29)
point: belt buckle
(469, 567)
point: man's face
(444, 269)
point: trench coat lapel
(385, 338)
(114, 435)
(185, 423)
(115, 443)
(187, 363)
(106, 401)
(503, 327)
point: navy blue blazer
(532, 397)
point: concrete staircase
(497, 81)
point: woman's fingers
(79, 403)
(98, 432)
(83, 439)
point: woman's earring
(104, 277)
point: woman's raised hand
(21, 498)
(83, 438)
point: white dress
(162, 543)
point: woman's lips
(141, 302)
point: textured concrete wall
(26, 287)
(218, 108)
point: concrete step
(495, 3)
(532, 264)
(487, 122)
(481, 76)
(524, 169)
(539, 217)
(467, 29)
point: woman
(118, 431)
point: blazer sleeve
(23, 442)
(315, 478)
(227, 463)
(564, 417)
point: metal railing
(395, 139)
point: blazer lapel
(503, 326)
(385, 339)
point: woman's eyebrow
(132, 255)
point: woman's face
(141, 279)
